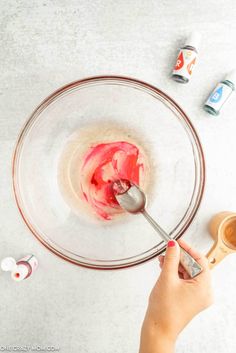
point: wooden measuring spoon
(222, 228)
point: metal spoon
(133, 200)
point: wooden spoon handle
(217, 253)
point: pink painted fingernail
(171, 243)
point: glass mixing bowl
(175, 154)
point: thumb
(171, 261)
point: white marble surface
(45, 44)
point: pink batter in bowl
(103, 164)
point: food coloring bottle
(186, 60)
(24, 268)
(220, 94)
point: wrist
(154, 340)
(155, 326)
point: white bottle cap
(231, 76)
(19, 273)
(194, 39)
(8, 264)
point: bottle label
(32, 261)
(219, 96)
(185, 63)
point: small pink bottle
(24, 268)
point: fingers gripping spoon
(133, 200)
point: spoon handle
(187, 261)
(156, 226)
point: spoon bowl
(129, 197)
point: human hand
(175, 299)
